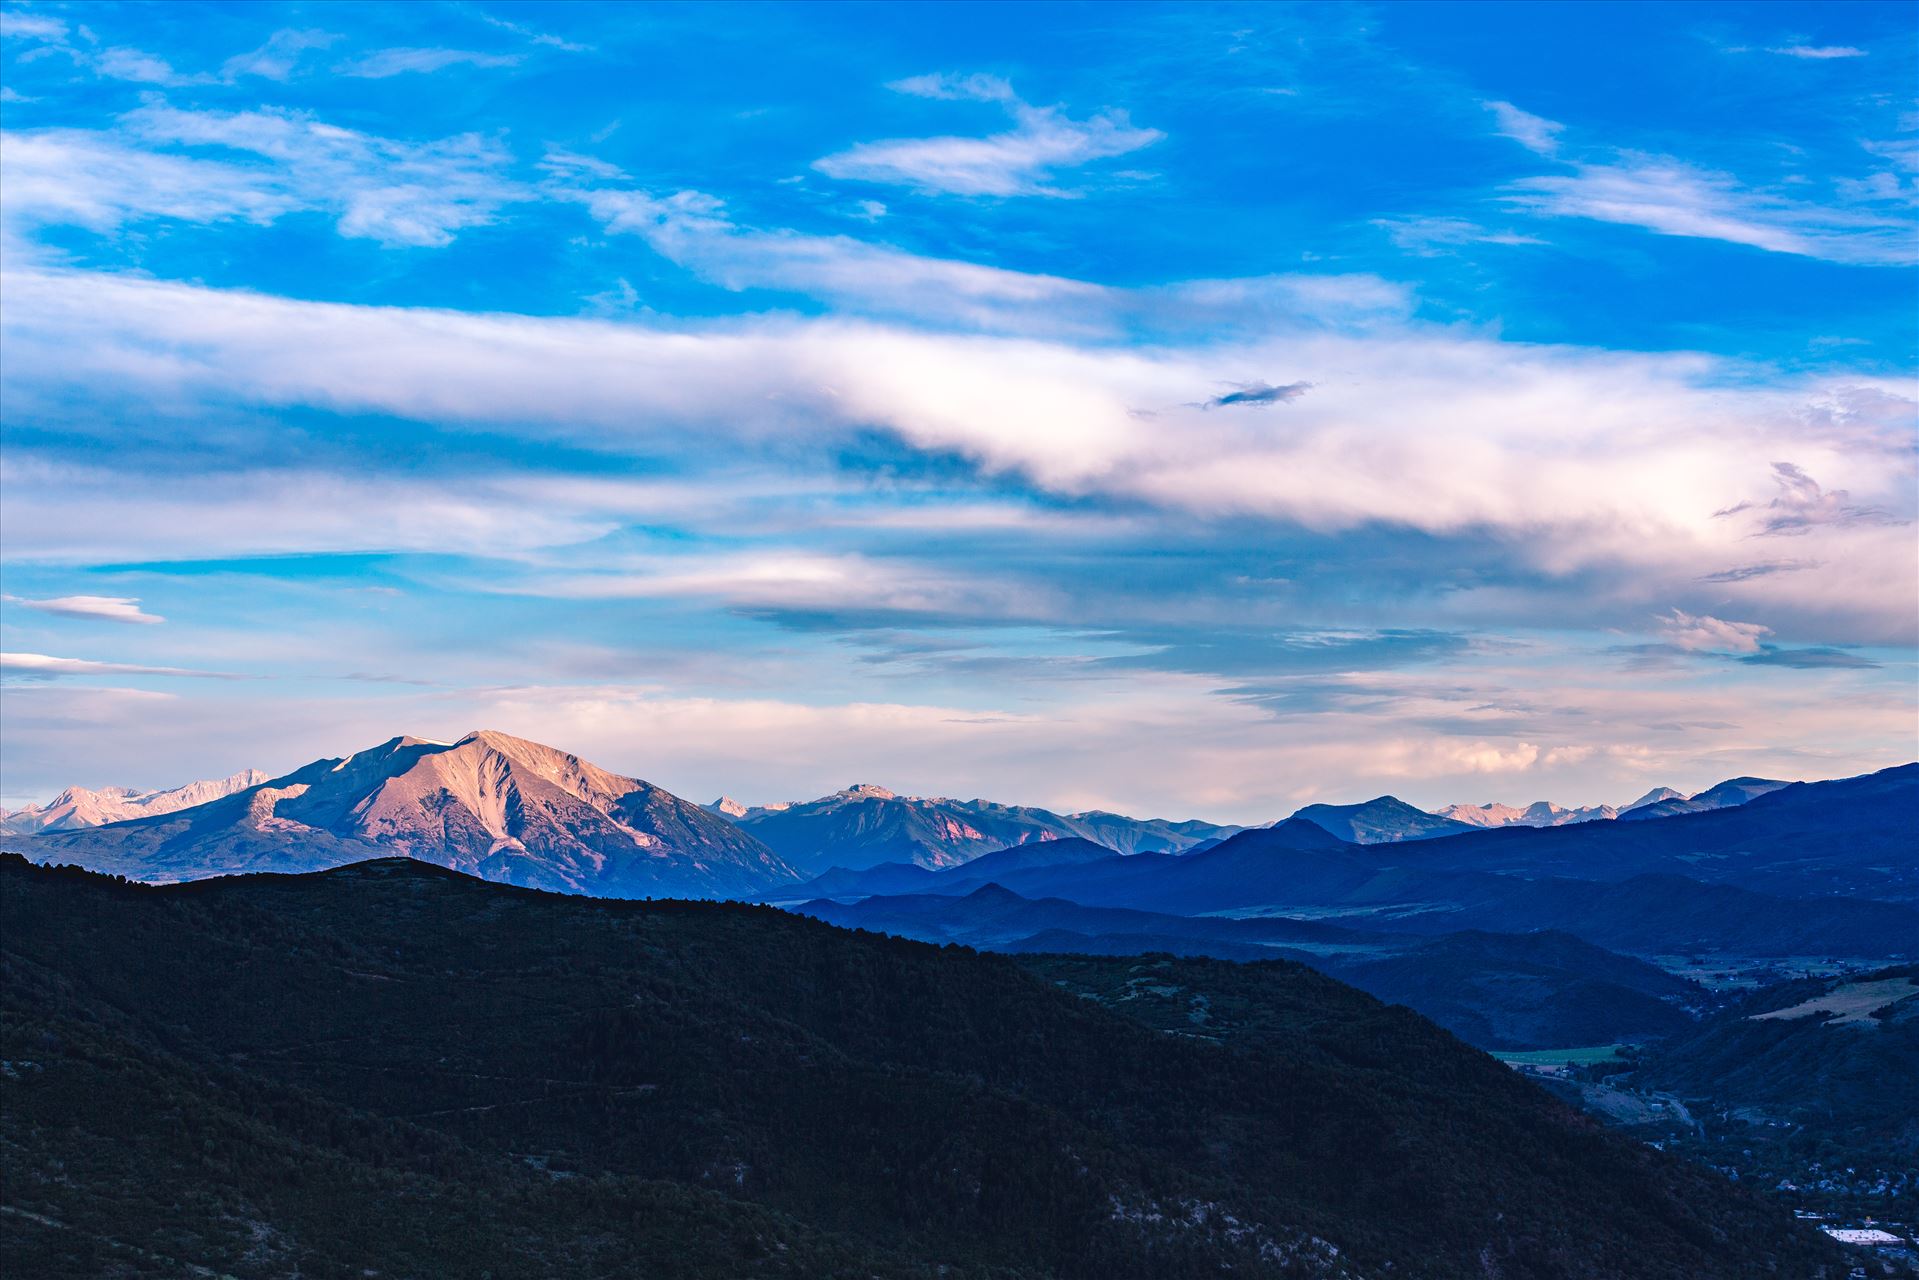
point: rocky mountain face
(496, 806)
(79, 807)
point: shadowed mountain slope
(1529, 991)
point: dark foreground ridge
(392, 1069)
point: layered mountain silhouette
(866, 825)
(1504, 962)
(1726, 795)
(491, 804)
(1384, 820)
(1848, 837)
(1389, 819)
(1822, 868)
(987, 868)
(79, 807)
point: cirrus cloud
(104, 608)
(1019, 162)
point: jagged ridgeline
(490, 804)
(392, 1069)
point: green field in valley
(1560, 1057)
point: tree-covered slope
(356, 1068)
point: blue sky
(1195, 409)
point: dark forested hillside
(1836, 1056)
(1529, 991)
(393, 1068)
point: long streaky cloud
(104, 608)
(45, 665)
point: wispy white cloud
(22, 25)
(91, 180)
(949, 87)
(104, 608)
(53, 514)
(1673, 198)
(54, 38)
(532, 34)
(1433, 236)
(1535, 133)
(122, 63)
(276, 59)
(395, 62)
(1019, 162)
(694, 230)
(793, 579)
(43, 666)
(279, 57)
(1703, 633)
(1818, 52)
(270, 163)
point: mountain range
(866, 825)
(1732, 792)
(1848, 837)
(1389, 819)
(523, 813)
(78, 807)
